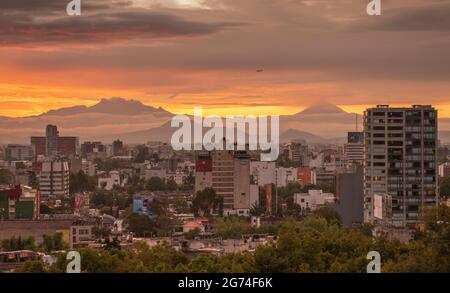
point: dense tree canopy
(206, 201)
(112, 164)
(53, 242)
(311, 245)
(104, 198)
(444, 186)
(80, 182)
(17, 243)
(155, 184)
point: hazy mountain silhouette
(322, 109)
(162, 133)
(165, 131)
(67, 111)
(115, 115)
(294, 134)
(324, 120)
(134, 122)
(114, 106)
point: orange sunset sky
(179, 54)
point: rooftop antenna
(356, 119)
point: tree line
(315, 244)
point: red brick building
(67, 145)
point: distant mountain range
(109, 116)
(322, 109)
(291, 127)
(134, 122)
(113, 106)
(326, 121)
(444, 136)
(298, 135)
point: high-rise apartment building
(400, 162)
(229, 174)
(203, 171)
(298, 153)
(117, 148)
(350, 196)
(53, 145)
(245, 194)
(354, 148)
(54, 179)
(17, 152)
(223, 176)
(68, 146)
(89, 147)
(263, 173)
(51, 135)
(39, 145)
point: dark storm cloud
(56, 6)
(34, 23)
(336, 38)
(104, 28)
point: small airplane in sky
(259, 70)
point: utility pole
(276, 193)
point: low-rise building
(19, 202)
(177, 177)
(89, 168)
(286, 176)
(110, 181)
(54, 179)
(306, 175)
(192, 225)
(142, 205)
(81, 234)
(313, 200)
(444, 170)
(155, 172)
